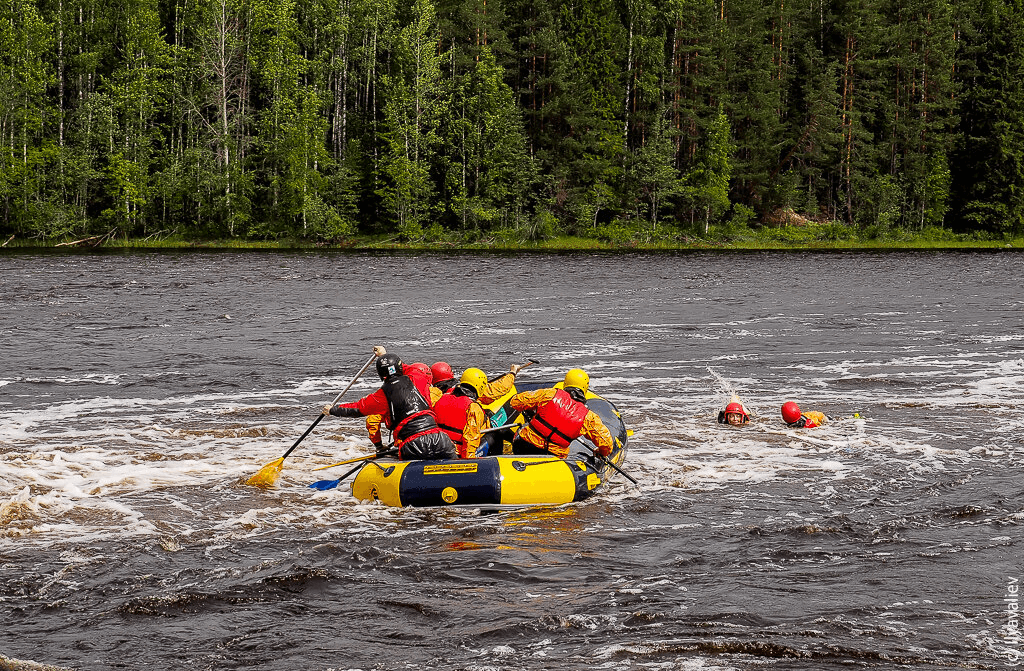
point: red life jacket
(804, 422)
(559, 421)
(807, 423)
(452, 412)
(422, 383)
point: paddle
(529, 362)
(499, 428)
(324, 485)
(522, 466)
(267, 476)
(624, 473)
(363, 458)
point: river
(138, 390)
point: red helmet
(441, 371)
(736, 407)
(790, 412)
(421, 368)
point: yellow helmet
(475, 378)
(577, 378)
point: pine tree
(868, 194)
(754, 65)
(590, 148)
(988, 162)
(693, 84)
(917, 117)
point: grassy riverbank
(829, 236)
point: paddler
(561, 417)
(403, 401)
(373, 422)
(488, 391)
(795, 419)
(461, 415)
(444, 378)
(735, 414)
(424, 370)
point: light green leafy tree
(25, 74)
(137, 91)
(707, 184)
(292, 128)
(653, 173)
(416, 100)
(493, 170)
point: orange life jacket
(560, 420)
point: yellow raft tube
(500, 480)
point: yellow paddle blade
(267, 475)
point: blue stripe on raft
(473, 482)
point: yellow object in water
(498, 479)
(267, 476)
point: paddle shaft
(350, 473)
(324, 485)
(303, 436)
(529, 362)
(334, 402)
(624, 473)
(499, 428)
(362, 458)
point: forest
(511, 119)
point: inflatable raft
(498, 480)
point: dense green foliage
(467, 119)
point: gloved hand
(515, 368)
(603, 450)
(379, 447)
(327, 409)
(379, 351)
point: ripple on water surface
(886, 539)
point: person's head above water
(790, 412)
(736, 414)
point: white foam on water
(657, 651)
(97, 467)
(92, 378)
(85, 469)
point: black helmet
(389, 365)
